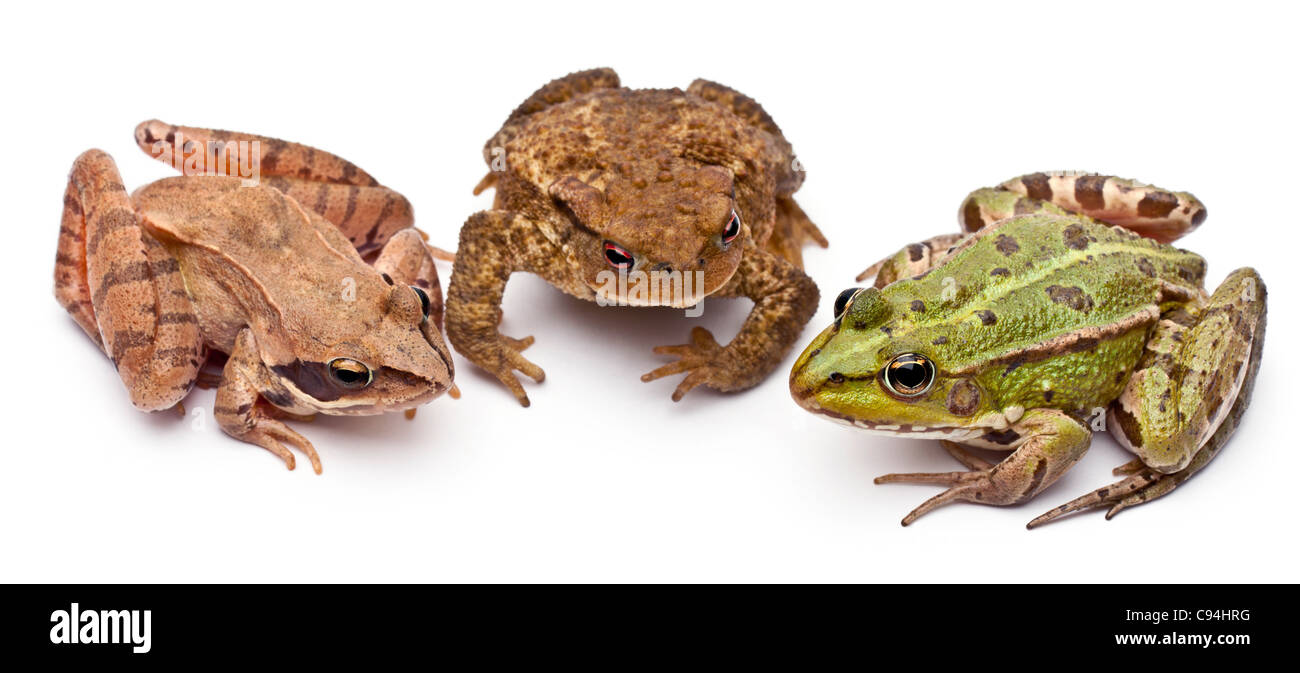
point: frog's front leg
(124, 288)
(1050, 443)
(1187, 396)
(239, 407)
(784, 300)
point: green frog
(1061, 311)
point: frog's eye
(909, 375)
(732, 230)
(617, 256)
(424, 300)
(842, 301)
(349, 373)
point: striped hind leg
(1150, 211)
(364, 210)
(1187, 398)
(124, 288)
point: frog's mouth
(955, 433)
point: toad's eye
(349, 373)
(424, 300)
(732, 230)
(617, 256)
(842, 302)
(909, 375)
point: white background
(896, 113)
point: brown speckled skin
(583, 162)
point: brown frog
(603, 190)
(196, 264)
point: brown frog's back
(241, 249)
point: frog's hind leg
(124, 288)
(1147, 210)
(1187, 397)
(364, 210)
(913, 260)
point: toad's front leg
(241, 411)
(493, 245)
(1051, 443)
(784, 300)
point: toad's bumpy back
(593, 179)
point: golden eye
(909, 375)
(349, 373)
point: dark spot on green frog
(918, 306)
(1146, 267)
(987, 317)
(1076, 237)
(971, 219)
(915, 252)
(939, 341)
(1006, 245)
(1199, 217)
(1157, 204)
(1037, 186)
(1073, 297)
(1088, 191)
(1048, 395)
(1000, 271)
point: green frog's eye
(909, 375)
(732, 230)
(842, 301)
(424, 300)
(617, 256)
(349, 373)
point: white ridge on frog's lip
(950, 432)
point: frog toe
(1135, 489)
(273, 435)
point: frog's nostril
(663, 266)
(836, 378)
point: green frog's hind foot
(1147, 210)
(1172, 412)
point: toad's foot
(707, 362)
(500, 356)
